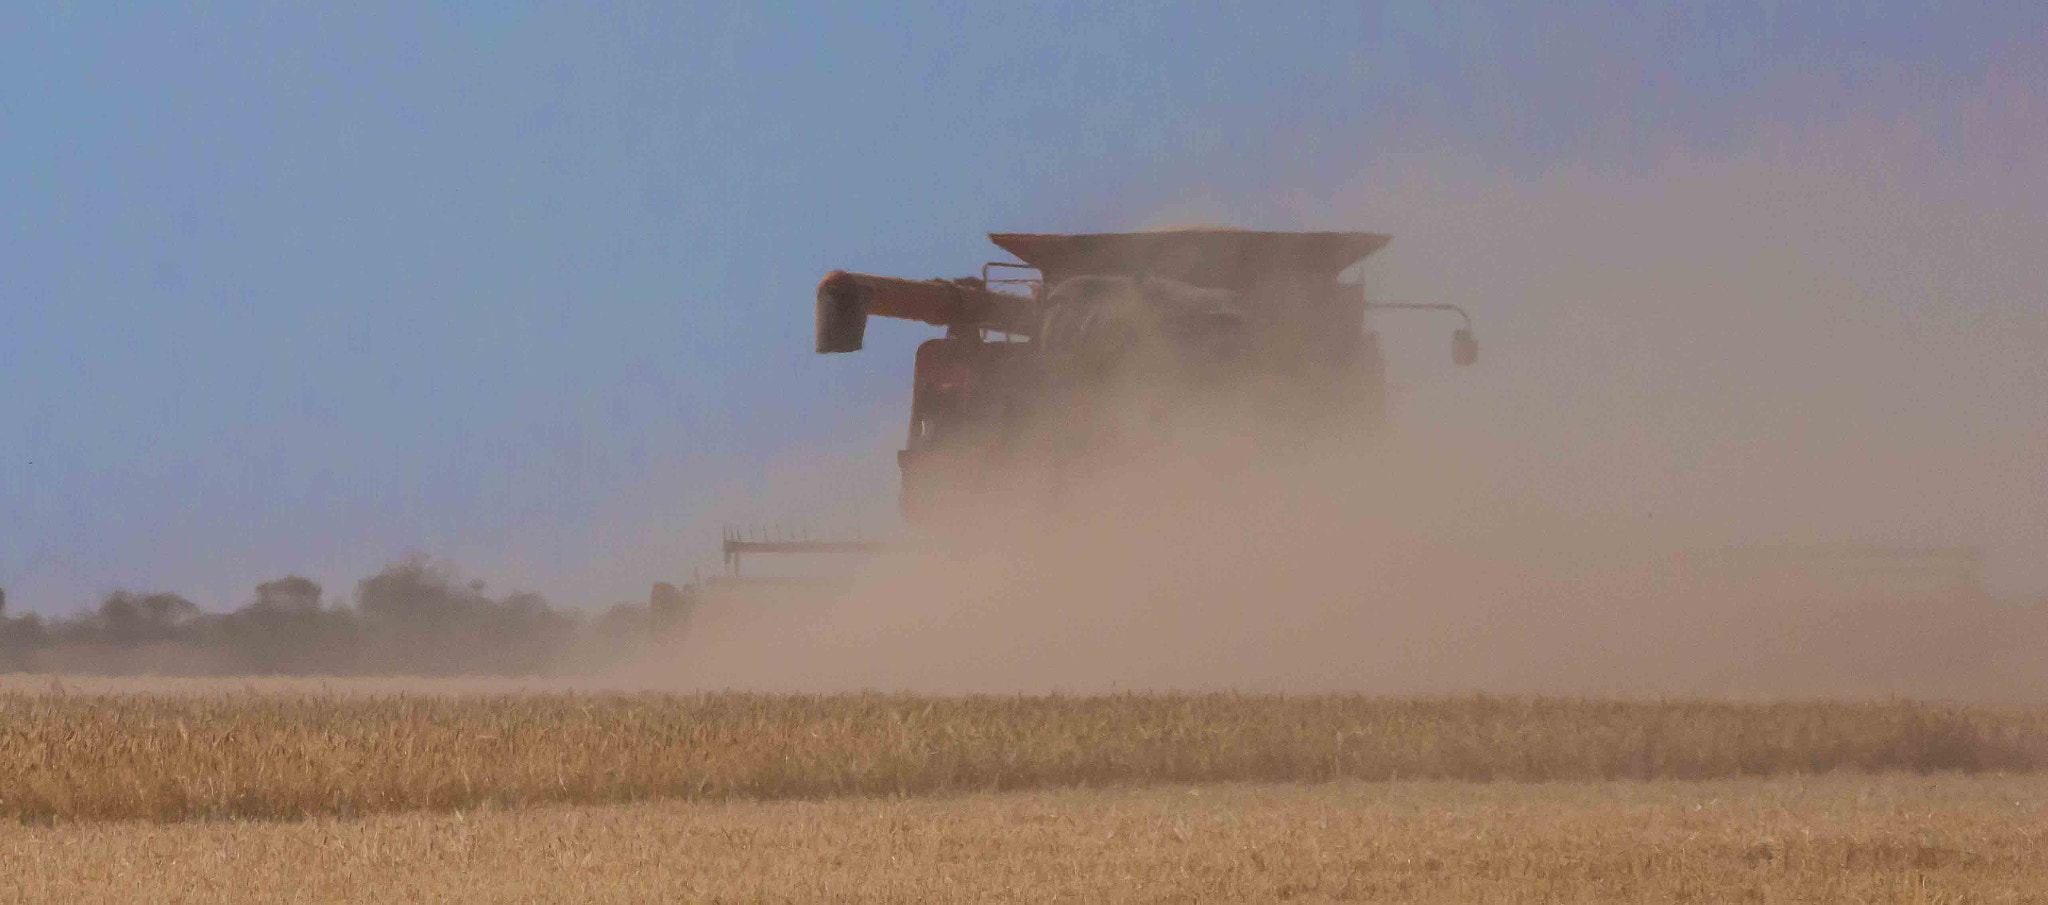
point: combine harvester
(1092, 341)
(1118, 346)
(1119, 334)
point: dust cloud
(1354, 567)
(1715, 390)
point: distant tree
(285, 630)
(620, 628)
(418, 617)
(291, 594)
(414, 591)
(20, 638)
(127, 618)
(414, 617)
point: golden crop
(178, 757)
(1838, 838)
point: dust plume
(1718, 391)
(1375, 570)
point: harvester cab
(1088, 338)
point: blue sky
(299, 289)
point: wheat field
(67, 756)
(394, 790)
(1840, 838)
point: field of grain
(67, 756)
(1838, 838)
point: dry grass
(69, 757)
(1841, 838)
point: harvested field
(82, 757)
(1839, 838)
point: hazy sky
(301, 289)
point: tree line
(416, 617)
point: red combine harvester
(1107, 342)
(1114, 334)
(1093, 341)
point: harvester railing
(738, 543)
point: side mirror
(1464, 348)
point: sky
(304, 289)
